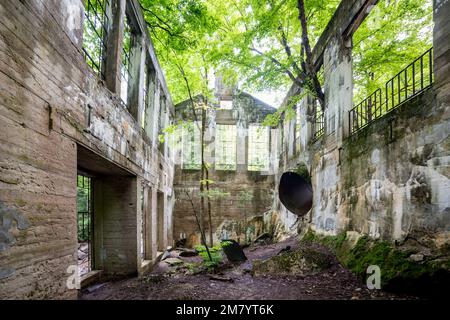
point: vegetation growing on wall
(398, 271)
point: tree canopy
(258, 44)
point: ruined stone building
(83, 102)
(379, 167)
(242, 159)
(80, 108)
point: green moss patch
(305, 260)
(398, 272)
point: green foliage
(393, 35)
(206, 181)
(215, 194)
(245, 196)
(83, 208)
(180, 30)
(226, 243)
(286, 112)
(194, 38)
(216, 255)
(302, 170)
(395, 265)
(189, 34)
(250, 39)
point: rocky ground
(83, 257)
(178, 278)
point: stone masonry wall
(391, 179)
(234, 215)
(50, 103)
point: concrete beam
(441, 45)
(345, 21)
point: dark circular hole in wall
(295, 193)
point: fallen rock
(265, 237)
(188, 253)
(173, 261)
(233, 251)
(247, 267)
(95, 287)
(180, 243)
(416, 257)
(165, 255)
(286, 249)
(299, 262)
(219, 278)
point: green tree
(392, 36)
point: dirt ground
(237, 283)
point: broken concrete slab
(188, 253)
(299, 262)
(233, 251)
(220, 278)
(165, 255)
(173, 261)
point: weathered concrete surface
(51, 103)
(390, 180)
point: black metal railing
(94, 35)
(84, 222)
(408, 83)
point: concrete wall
(391, 179)
(51, 105)
(233, 215)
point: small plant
(216, 256)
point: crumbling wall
(50, 104)
(246, 195)
(389, 180)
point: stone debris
(173, 261)
(264, 238)
(83, 258)
(233, 251)
(416, 257)
(166, 255)
(95, 287)
(220, 278)
(188, 253)
(285, 249)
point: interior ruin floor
(166, 282)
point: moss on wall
(302, 170)
(399, 273)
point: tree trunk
(309, 63)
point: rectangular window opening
(145, 97)
(149, 96)
(125, 68)
(162, 123)
(226, 104)
(225, 147)
(297, 128)
(130, 43)
(191, 147)
(258, 148)
(94, 34)
(319, 120)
